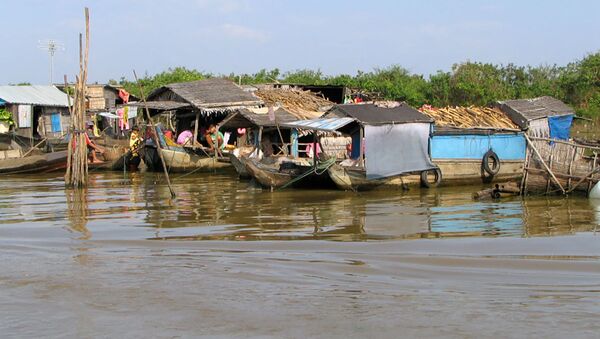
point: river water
(227, 259)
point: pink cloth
(185, 136)
(309, 150)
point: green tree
(438, 90)
(474, 83)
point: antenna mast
(51, 46)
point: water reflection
(77, 211)
(218, 207)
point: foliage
(172, 75)
(6, 116)
(468, 83)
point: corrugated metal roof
(327, 125)
(34, 95)
(377, 114)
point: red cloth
(124, 95)
(88, 142)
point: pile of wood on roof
(469, 117)
(301, 104)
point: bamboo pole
(158, 146)
(195, 130)
(544, 163)
(77, 171)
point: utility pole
(51, 46)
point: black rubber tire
(485, 163)
(438, 178)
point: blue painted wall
(507, 146)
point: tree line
(467, 83)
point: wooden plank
(544, 163)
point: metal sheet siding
(506, 146)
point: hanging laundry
(122, 121)
(124, 95)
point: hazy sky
(247, 35)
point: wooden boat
(276, 172)
(239, 164)
(183, 159)
(114, 159)
(13, 161)
(355, 179)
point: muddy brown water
(227, 259)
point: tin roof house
(38, 111)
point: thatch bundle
(302, 104)
(469, 117)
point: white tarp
(24, 113)
(539, 128)
(395, 149)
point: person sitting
(214, 137)
(91, 145)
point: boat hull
(454, 172)
(270, 176)
(239, 163)
(39, 163)
(182, 161)
(267, 176)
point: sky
(335, 36)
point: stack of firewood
(302, 104)
(469, 117)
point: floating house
(474, 145)
(266, 137)
(106, 107)
(544, 117)
(38, 111)
(193, 106)
(553, 163)
(389, 144)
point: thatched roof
(161, 105)
(524, 110)
(302, 104)
(469, 117)
(206, 94)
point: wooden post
(314, 149)
(77, 171)
(525, 172)
(571, 166)
(589, 186)
(259, 141)
(361, 145)
(550, 161)
(156, 140)
(544, 164)
(195, 130)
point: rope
(321, 168)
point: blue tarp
(560, 126)
(55, 119)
